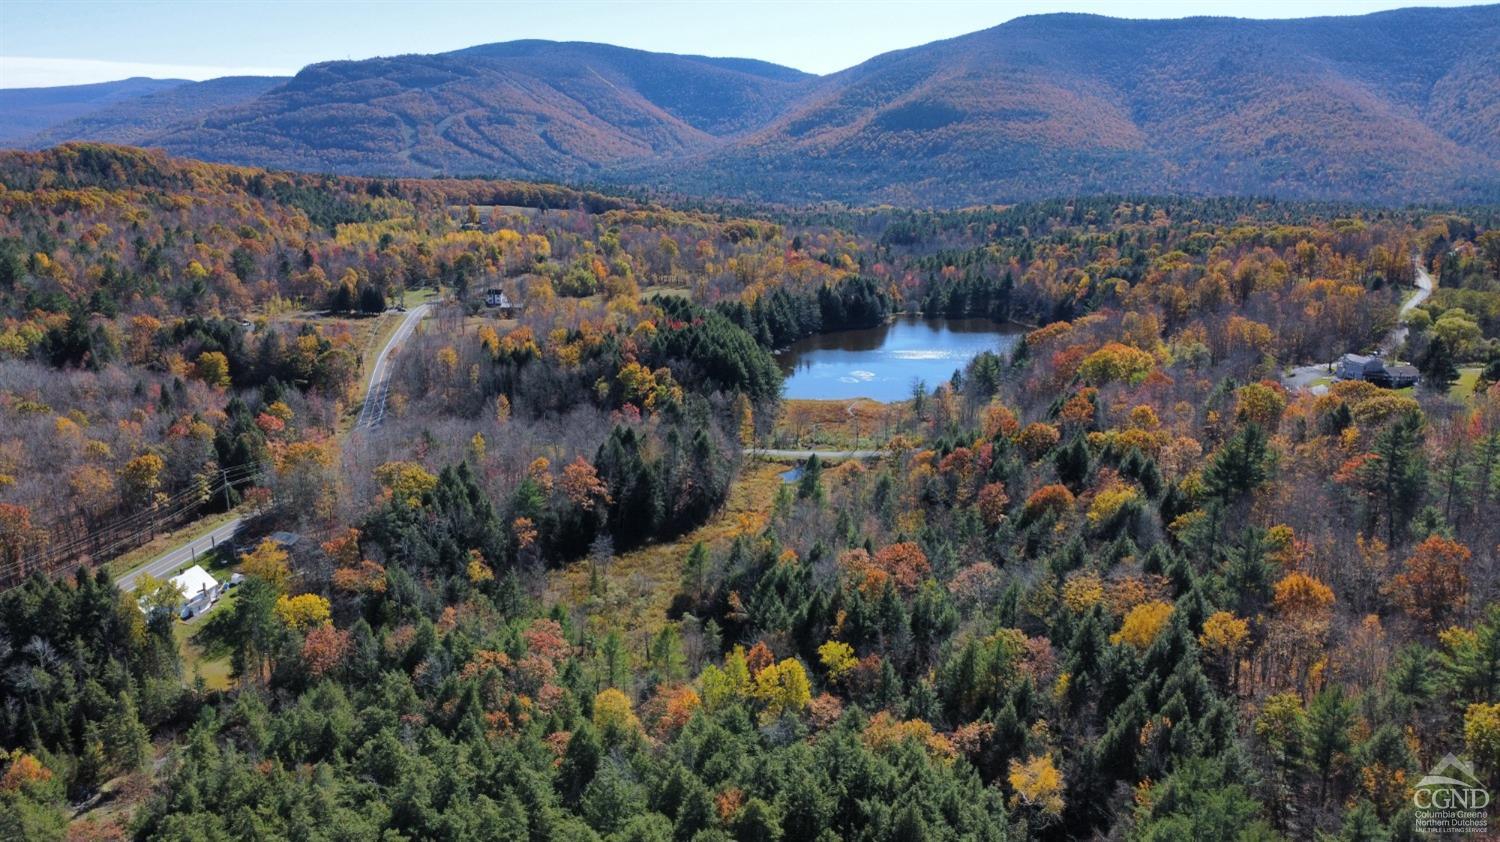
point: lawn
(423, 295)
(1463, 388)
(204, 651)
(639, 585)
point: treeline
(782, 316)
(86, 677)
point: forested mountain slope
(525, 108)
(26, 111)
(1402, 104)
(1394, 107)
(141, 118)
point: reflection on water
(882, 362)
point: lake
(882, 362)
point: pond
(882, 362)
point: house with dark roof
(1373, 369)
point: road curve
(1397, 336)
(1301, 377)
(370, 415)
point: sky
(66, 42)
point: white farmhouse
(198, 589)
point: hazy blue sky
(58, 42)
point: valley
(1076, 428)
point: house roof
(193, 581)
(286, 539)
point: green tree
(1397, 474)
(127, 744)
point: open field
(1463, 387)
(836, 424)
(638, 585)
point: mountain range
(1396, 106)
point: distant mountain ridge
(1395, 106)
(142, 119)
(26, 111)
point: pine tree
(127, 743)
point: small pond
(882, 362)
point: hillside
(26, 111)
(1384, 106)
(142, 118)
(525, 108)
(1394, 107)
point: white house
(198, 589)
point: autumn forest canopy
(1134, 578)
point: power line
(127, 531)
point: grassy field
(639, 585)
(845, 424)
(1463, 387)
(199, 658)
(413, 297)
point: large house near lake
(1371, 368)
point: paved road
(166, 564)
(773, 453)
(373, 412)
(1301, 376)
(1397, 335)
(370, 416)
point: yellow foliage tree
(1299, 595)
(1224, 634)
(267, 562)
(1110, 501)
(1116, 362)
(141, 476)
(1082, 592)
(302, 611)
(213, 368)
(1038, 785)
(612, 712)
(783, 688)
(407, 481)
(1482, 737)
(838, 658)
(1143, 624)
(479, 571)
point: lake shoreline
(884, 362)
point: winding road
(371, 414)
(1397, 335)
(1302, 376)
